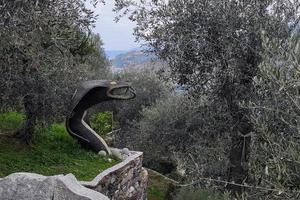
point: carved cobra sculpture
(88, 94)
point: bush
(275, 157)
(102, 123)
(190, 134)
(200, 194)
(11, 120)
(148, 87)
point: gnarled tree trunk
(243, 127)
(27, 131)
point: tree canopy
(214, 48)
(45, 48)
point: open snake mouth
(121, 92)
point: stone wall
(124, 181)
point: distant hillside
(111, 54)
(131, 58)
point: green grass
(158, 187)
(200, 194)
(52, 152)
(55, 152)
(10, 121)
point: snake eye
(123, 92)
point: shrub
(200, 194)
(275, 157)
(102, 123)
(148, 87)
(189, 133)
(11, 120)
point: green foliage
(161, 188)
(155, 193)
(275, 158)
(209, 45)
(182, 130)
(39, 70)
(102, 123)
(200, 194)
(158, 187)
(149, 88)
(11, 120)
(54, 152)
(213, 48)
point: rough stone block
(29, 186)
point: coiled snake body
(88, 94)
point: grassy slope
(53, 152)
(158, 187)
(10, 121)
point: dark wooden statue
(88, 94)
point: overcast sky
(116, 36)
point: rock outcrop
(29, 186)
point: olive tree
(181, 131)
(45, 49)
(214, 47)
(275, 161)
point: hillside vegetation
(236, 127)
(53, 152)
(232, 131)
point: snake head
(120, 90)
